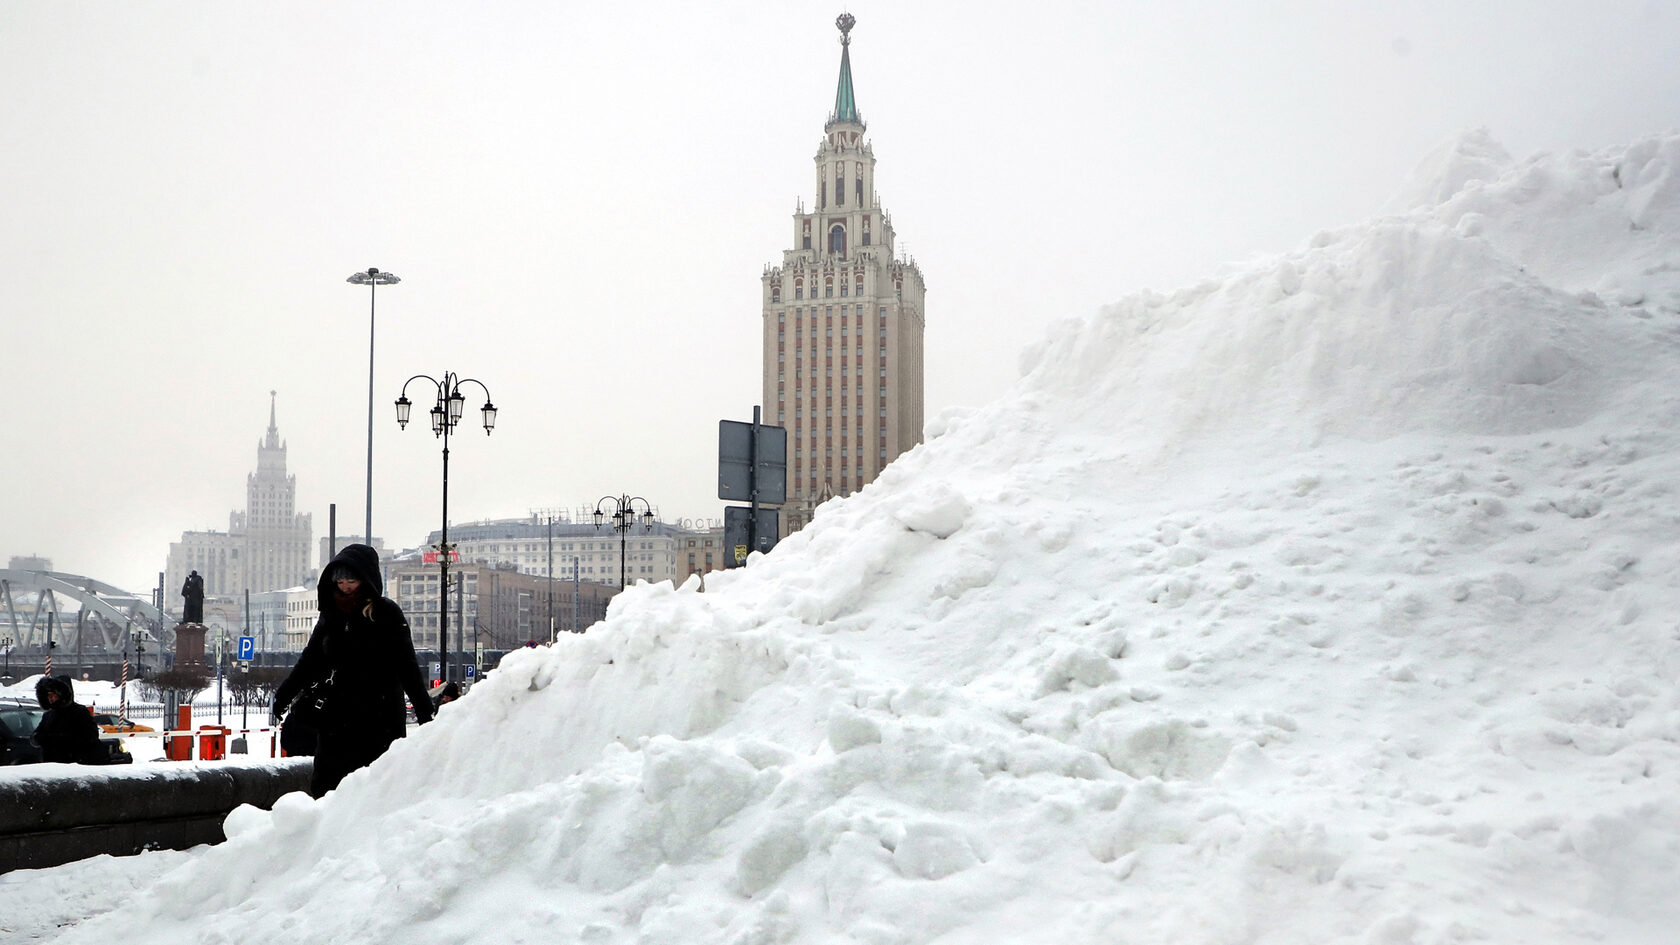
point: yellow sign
(740, 554)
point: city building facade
(282, 620)
(568, 545)
(843, 322)
(266, 546)
(699, 551)
(498, 608)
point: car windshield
(21, 722)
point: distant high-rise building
(843, 324)
(265, 548)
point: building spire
(273, 430)
(845, 100)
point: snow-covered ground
(1333, 600)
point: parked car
(115, 724)
(17, 723)
(116, 753)
(18, 720)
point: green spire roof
(845, 100)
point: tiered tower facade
(276, 536)
(265, 548)
(843, 323)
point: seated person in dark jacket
(67, 732)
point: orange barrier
(212, 742)
(179, 747)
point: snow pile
(1503, 309)
(1331, 601)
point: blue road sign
(471, 670)
(247, 648)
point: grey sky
(580, 200)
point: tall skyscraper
(276, 536)
(843, 323)
(265, 548)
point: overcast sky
(580, 200)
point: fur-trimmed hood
(59, 684)
(360, 560)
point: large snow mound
(1505, 302)
(1332, 600)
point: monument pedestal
(189, 646)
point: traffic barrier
(179, 747)
(212, 742)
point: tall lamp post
(551, 635)
(624, 517)
(373, 279)
(6, 646)
(446, 412)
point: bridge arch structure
(103, 619)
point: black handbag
(310, 707)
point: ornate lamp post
(445, 413)
(6, 646)
(373, 279)
(624, 517)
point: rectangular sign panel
(737, 542)
(247, 648)
(735, 462)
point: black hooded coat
(67, 732)
(369, 656)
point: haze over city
(580, 203)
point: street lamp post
(6, 645)
(551, 579)
(624, 517)
(445, 413)
(373, 279)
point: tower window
(837, 240)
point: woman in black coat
(361, 643)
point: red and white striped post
(122, 712)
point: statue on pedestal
(193, 593)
